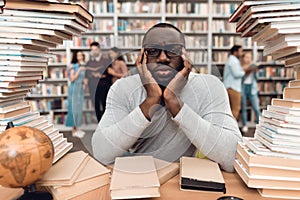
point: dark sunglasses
(171, 50)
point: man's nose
(163, 57)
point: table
(170, 191)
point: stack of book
(75, 175)
(271, 160)
(28, 30)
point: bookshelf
(122, 23)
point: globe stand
(30, 193)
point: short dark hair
(95, 44)
(164, 25)
(235, 48)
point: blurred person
(232, 79)
(96, 68)
(118, 66)
(249, 89)
(76, 91)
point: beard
(163, 73)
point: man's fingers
(139, 58)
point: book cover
(201, 174)
(134, 177)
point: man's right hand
(154, 92)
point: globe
(25, 155)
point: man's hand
(174, 88)
(154, 92)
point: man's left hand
(174, 88)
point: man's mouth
(163, 71)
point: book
(244, 6)
(258, 148)
(14, 106)
(10, 193)
(291, 93)
(294, 83)
(23, 73)
(61, 150)
(291, 111)
(286, 53)
(20, 119)
(274, 193)
(80, 27)
(14, 112)
(45, 15)
(281, 116)
(278, 123)
(66, 171)
(93, 176)
(49, 32)
(25, 41)
(292, 61)
(267, 170)
(200, 174)
(134, 177)
(281, 42)
(259, 24)
(20, 78)
(25, 52)
(252, 158)
(265, 11)
(40, 37)
(12, 63)
(165, 170)
(50, 6)
(289, 149)
(286, 103)
(270, 182)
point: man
(96, 74)
(166, 111)
(233, 74)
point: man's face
(95, 51)
(164, 48)
(239, 53)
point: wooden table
(170, 191)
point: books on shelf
(224, 9)
(187, 8)
(190, 25)
(139, 7)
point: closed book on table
(165, 170)
(134, 177)
(94, 175)
(286, 194)
(66, 171)
(201, 174)
(10, 193)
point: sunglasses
(171, 50)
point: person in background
(76, 74)
(96, 70)
(232, 79)
(249, 89)
(118, 66)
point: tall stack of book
(28, 30)
(271, 160)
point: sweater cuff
(138, 118)
(180, 115)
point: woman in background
(249, 89)
(76, 74)
(118, 66)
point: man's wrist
(173, 104)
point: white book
(285, 110)
(279, 148)
(60, 151)
(23, 58)
(278, 123)
(281, 116)
(25, 53)
(260, 149)
(283, 131)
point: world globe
(25, 155)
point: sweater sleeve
(214, 132)
(119, 128)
